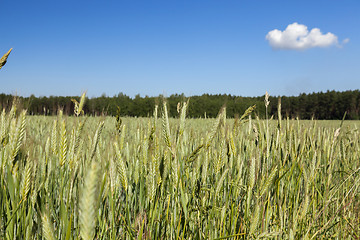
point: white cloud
(346, 40)
(297, 37)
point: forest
(322, 105)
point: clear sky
(243, 48)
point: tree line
(322, 105)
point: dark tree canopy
(328, 105)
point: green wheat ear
(88, 203)
(48, 229)
(4, 58)
(78, 108)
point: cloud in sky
(297, 37)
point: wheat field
(86, 177)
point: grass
(162, 178)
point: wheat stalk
(54, 138)
(47, 227)
(120, 166)
(96, 138)
(26, 181)
(3, 60)
(63, 145)
(88, 204)
(166, 126)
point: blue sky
(166, 47)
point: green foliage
(81, 177)
(328, 105)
